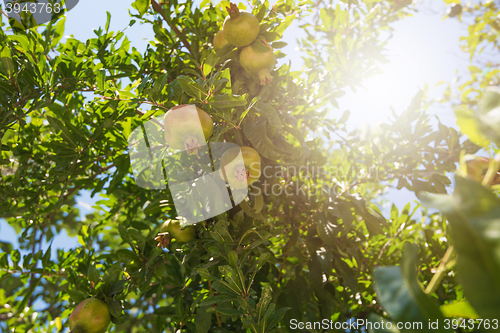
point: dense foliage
(310, 243)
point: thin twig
(7, 16)
(441, 272)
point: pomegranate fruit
(454, 10)
(187, 127)
(219, 41)
(240, 175)
(173, 227)
(90, 316)
(477, 167)
(257, 63)
(240, 28)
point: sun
(384, 87)
(419, 57)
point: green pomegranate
(477, 167)
(240, 175)
(90, 316)
(240, 28)
(173, 227)
(219, 41)
(257, 63)
(496, 24)
(182, 127)
(454, 10)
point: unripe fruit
(477, 167)
(240, 28)
(239, 175)
(173, 227)
(90, 316)
(496, 24)
(402, 3)
(187, 127)
(455, 10)
(219, 41)
(256, 63)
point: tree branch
(157, 8)
(441, 272)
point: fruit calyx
(233, 10)
(240, 172)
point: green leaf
(261, 12)
(489, 101)
(345, 117)
(473, 212)
(118, 287)
(204, 273)
(257, 134)
(231, 312)
(28, 293)
(284, 24)
(93, 274)
(459, 309)
(15, 256)
(401, 295)
(192, 88)
(217, 299)
(227, 101)
(6, 61)
(46, 256)
(101, 79)
(265, 299)
(250, 212)
(59, 126)
(327, 231)
(108, 21)
(233, 259)
(115, 307)
(244, 113)
(225, 288)
(469, 125)
(58, 32)
(209, 63)
(4, 261)
(203, 319)
(272, 116)
(141, 6)
(276, 317)
(157, 206)
(259, 47)
(279, 45)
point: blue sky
(424, 50)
